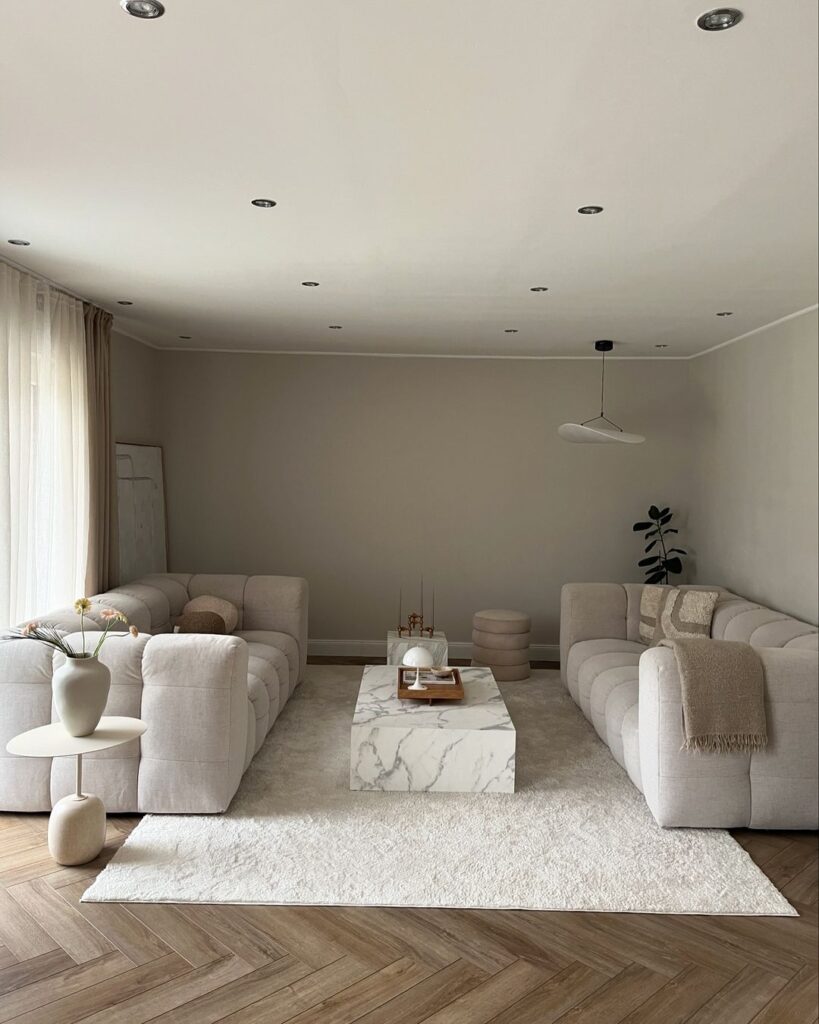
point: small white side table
(76, 828)
(397, 646)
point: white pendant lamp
(606, 431)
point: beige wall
(135, 405)
(361, 473)
(754, 503)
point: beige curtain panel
(101, 570)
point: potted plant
(81, 684)
(666, 560)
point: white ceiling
(428, 158)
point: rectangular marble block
(397, 646)
(463, 746)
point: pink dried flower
(133, 631)
(112, 615)
(28, 629)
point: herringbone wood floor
(62, 961)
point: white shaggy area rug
(575, 836)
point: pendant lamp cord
(602, 415)
(602, 387)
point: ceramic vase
(80, 689)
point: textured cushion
(499, 620)
(651, 602)
(501, 641)
(591, 669)
(686, 614)
(219, 605)
(489, 657)
(200, 622)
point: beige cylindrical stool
(500, 641)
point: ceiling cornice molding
(756, 330)
(415, 355)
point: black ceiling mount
(603, 346)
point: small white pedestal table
(76, 827)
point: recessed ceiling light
(510, 330)
(589, 210)
(719, 19)
(124, 302)
(265, 204)
(18, 241)
(661, 346)
(143, 8)
(539, 288)
(310, 284)
(335, 327)
(184, 337)
(725, 314)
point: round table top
(53, 741)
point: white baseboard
(378, 649)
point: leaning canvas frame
(141, 510)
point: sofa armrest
(279, 603)
(590, 611)
(195, 703)
(775, 788)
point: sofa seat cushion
(631, 745)
(264, 668)
(622, 652)
(260, 702)
(282, 642)
(618, 705)
(604, 685)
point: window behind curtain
(44, 499)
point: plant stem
(82, 630)
(665, 553)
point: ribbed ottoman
(500, 641)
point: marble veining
(466, 746)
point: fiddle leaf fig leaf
(651, 560)
(654, 512)
(641, 526)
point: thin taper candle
(433, 609)
(399, 607)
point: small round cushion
(501, 620)
(228, 611)
(200, 622)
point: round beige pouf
(501, 641)
(507, 673)
(501, 620)
(76, 829)
(486, 656)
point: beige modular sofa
(631, 695)
(208, 701)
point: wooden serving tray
(434, 690)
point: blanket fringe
(728, 743)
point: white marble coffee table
(464, 746)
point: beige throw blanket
(723, 700)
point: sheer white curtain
(44, 493)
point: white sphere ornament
(418, 658)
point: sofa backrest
(736, 618)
